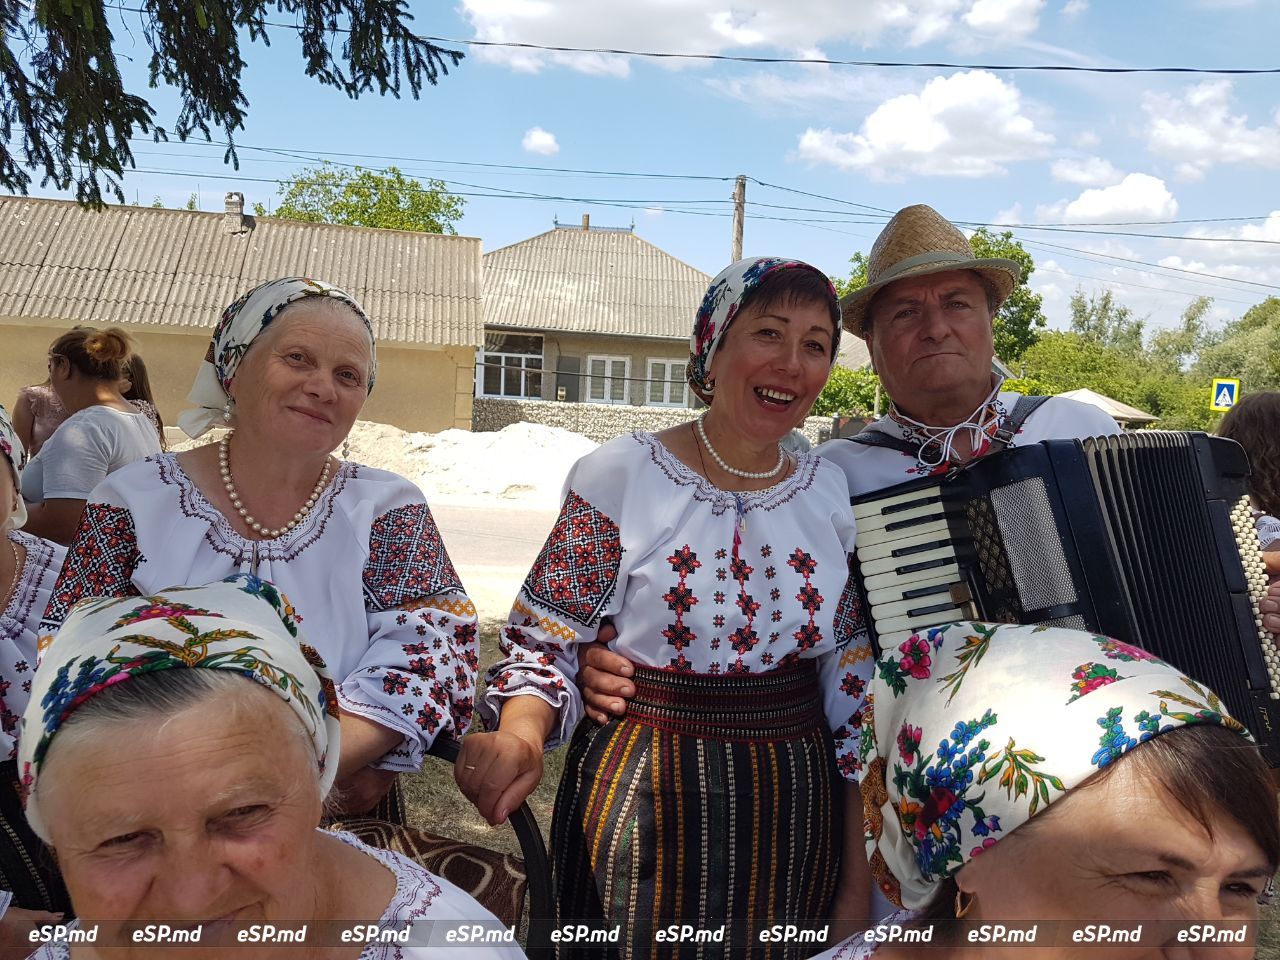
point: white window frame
(609, 360)
(484, 358)
(668, 366)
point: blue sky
(984, 146)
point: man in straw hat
(926, 314)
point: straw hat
(918, 241)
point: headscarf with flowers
(239, 327)
(14, 452)
(971, 729)
(241, 624)
(731, 288)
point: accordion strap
(1008, 429)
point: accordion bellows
(1144, 537)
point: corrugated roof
(592, 281)
(180, 268)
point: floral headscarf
(728, 291)
(971, 729)
(241, 624)
(240, 325)
(14, 452)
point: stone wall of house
(599, 421)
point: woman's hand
(360, 792)
(603, 677)
(15, 930)
(1270, 607)
(497, 772)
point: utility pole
(739, 214)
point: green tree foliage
(1101, 319)
(1019, 321)
(847, 392)
(367, 198)
(65, 112)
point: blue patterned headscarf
(733, 287)
(971, 729)
(241, 624)
(239, 327)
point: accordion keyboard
(910, 565)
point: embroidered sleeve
(418, 674)
(561, 604)
(100, 562)
(845, 674)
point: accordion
(1145, 537)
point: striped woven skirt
(714, 799)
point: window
(510, 365)
(666, 383)
(607, 379)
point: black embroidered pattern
(407, 559)
(100, 562)
(577, 570)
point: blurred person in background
(102, 433)
(136, 388)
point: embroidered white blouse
(651, 544)
(366, 571)
(420, 898)
(19, 632)
(858, 947)
(869, 469)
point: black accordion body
(1145, 537)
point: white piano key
(876, 507)
(891, 585)
(893, 624)
(873, 548)
(887, 564)
(901, 608)
(880, 521)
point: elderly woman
(29, 882)
(210, 737)
(1031, 773)
(103, 432)
(721, 560)
(289, 368)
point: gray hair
(159, 696)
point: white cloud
(1007, 19)
(714, 26)
(1009, 215)
(1198, 130)
(967, 125)
(537, 140)
(1086, 140)
(1139, 196)
(809, 86)
(1073, 8)
(1088, 172)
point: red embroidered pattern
(809, 635)
(680, 600)
(577, 570)
(407, 559)
(849, 620)
(100, 562)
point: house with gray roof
(589, 314)
(165, 276)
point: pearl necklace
(224, 467)
(744, 474)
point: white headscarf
(16, 454)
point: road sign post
(1225, 393)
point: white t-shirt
(91, 444)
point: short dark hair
(1207, 769)
(792, 287)
(989, 288)
(1254, 423)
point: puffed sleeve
(101, 559)
(576, 581)
(846, 671)
(417, 676)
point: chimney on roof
(586, 221)
(233, 219)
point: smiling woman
(720, 562)
(210, 734)
(288, 369)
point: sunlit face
(771, 367)
(1120, 850)
(210, 815)
(305, 378)
(931, 337)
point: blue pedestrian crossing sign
(1225, 393)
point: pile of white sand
(523, 465)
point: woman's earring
(962, 910)
(346, 448)
(710, 386)
(226, 411)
